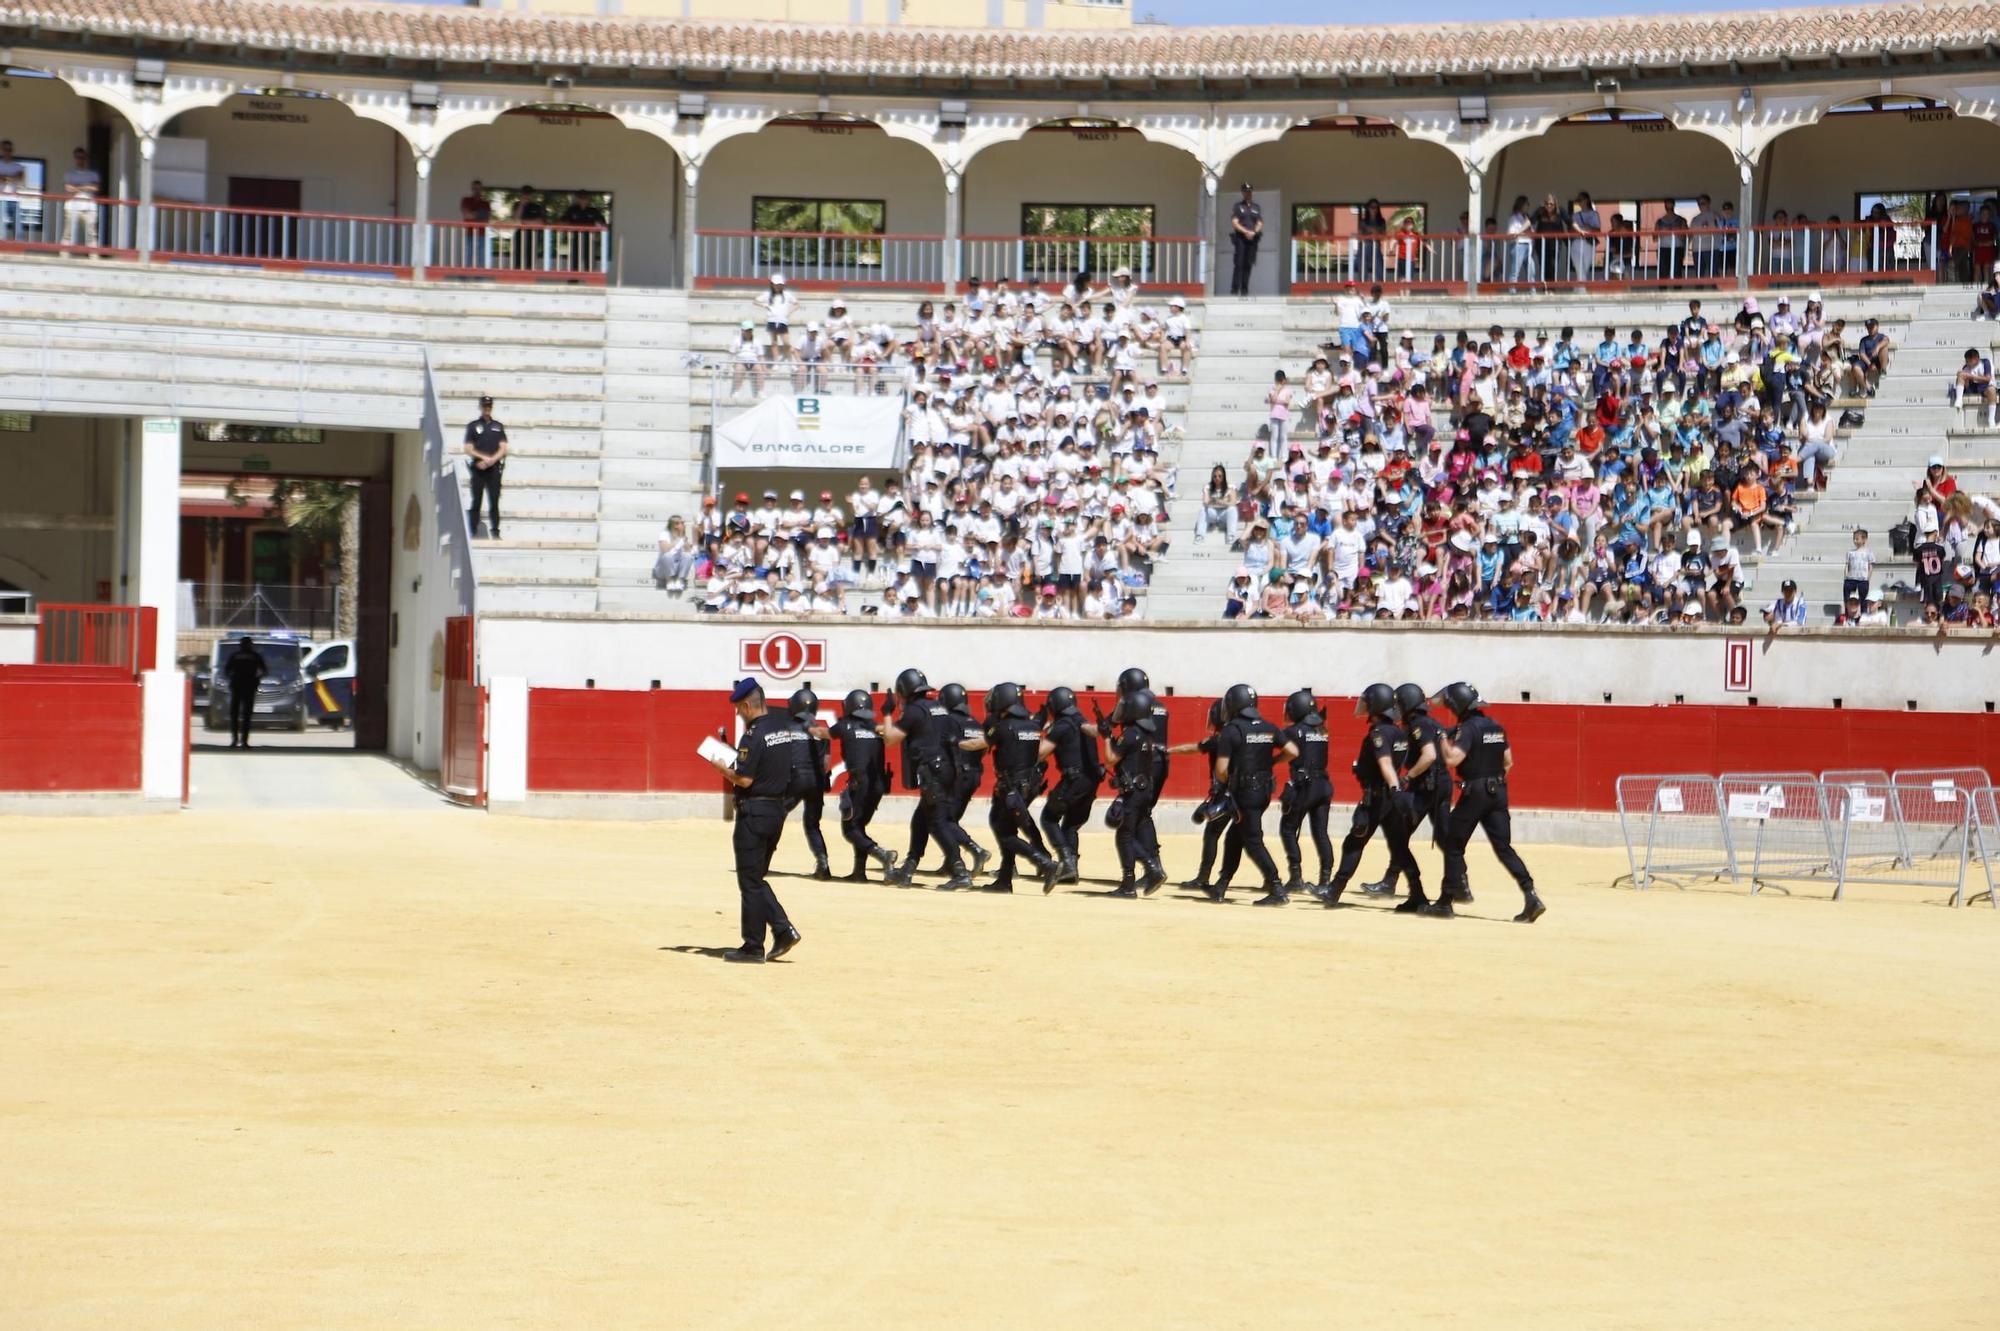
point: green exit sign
(256, 463)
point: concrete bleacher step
(550, 563)
(500, 595)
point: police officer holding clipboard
(771, 769)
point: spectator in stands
(531, 241)
(477, 210)
(675, 561)
(81, 186)
(1974, 382)
(779, 307)
(13, 180)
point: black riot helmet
(858, 705)
(953, 697)
(1461, 697)
(1302, 706)
(1005, 700)
(803, 704)
(1060, 702)
(1131, 679)
(1410, 699)
(1240, 698)
(1136, 709)
(1216, 718)
(912, 684)
(1378, 701)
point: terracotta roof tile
(511, 38)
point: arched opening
(70, 167)
(282, 178)
(1349, 198)
(1079, 195)
(829, 200)
(554, 193)
(1613, 196)
(1889, 186)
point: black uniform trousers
(1243, 256)
(1065, 810)
(1211, 838)
(857, 808)
(759, 824)
(814, 806)
(1246, 831)
(486, 482)
(1306, 803)
(1013, 823)
(936, 819)
(1390, 811)
(1137, 840)
(242, 709)
(1483, 803)
(1433, 803)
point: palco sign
(815, 433)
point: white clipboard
(714, 750)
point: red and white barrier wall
(591, 706)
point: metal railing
(262, 605)
(1157, 261)
(520, 251)
(738, 380)
(61, 224)
(1664, 256)
(1828, 251)
(1399, 259)
(818, 258)
(124, 636)
(274, 238)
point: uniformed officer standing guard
(1018, 751)
(867, 765)
(1383, 803)
(1308, 797)
(1245, 753)
(1428, 777)
(486, 453)
(804, 709)
(1477, 749)
(1246, 229)
(771, 769)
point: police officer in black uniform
(245, 669)
(1246, 229)
(486, 459)
(1245, 754)
(1477, 749)
(771, 770)
(1136, 758)
(1428, 777)
(867, 765)
(804, 709)
(1308, 797)
(969, 766)
(1131, 680)
(1212, 827)
(1383, 803)
(929, 736)
(1078, 770)
(1018, 750)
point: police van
(305, 683)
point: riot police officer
(1245, 754)
(1136, 759)
(804, 709)
(1018, 750)
(929, 736)
(1478, 751)
(1308, 797)
(969, 767)
(1212, 828)
(1383, 802)
(1078, 771)
(1130, 681)
(1428, 778)
(771, 769)
(867, 763)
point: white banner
(813, 433)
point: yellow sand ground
(447, 1071)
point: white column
(420, 229)
(158, 517)
(690, 182)
(952, 180)
(147, 143)
(1475, 214)
(1211, 177)
(506, 739)
(1744, 203)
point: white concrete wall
(17, 639)
(1056, 167)
(570, 153)
(416, 599)
(66, 466)
(794, 161)
(1820, 168)
(1613, 161)
(1335, 166)
(1579, 665)
(343, 163)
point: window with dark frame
(1060, 240)
(818, 235)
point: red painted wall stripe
(1565, 757)
(68, 728)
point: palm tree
(327, 514)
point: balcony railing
(1171, 262)
(1845, 252)
(60, 224)
(1662, 257)
(1400, 260)
(274, 238)
(521, 251)
(818, 259)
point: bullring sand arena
(439, 1070)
